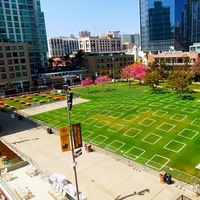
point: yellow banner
(64, 138)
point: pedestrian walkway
(100, 177)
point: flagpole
(69, 106)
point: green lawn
(156, 129)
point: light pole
(74, 163)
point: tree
(102, 80)
(127, 73)
(152, 78)
(179, 80)
(139, 72)
(79, 57)
(87, 82)
(195, 70)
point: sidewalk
(100, 177)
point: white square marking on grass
(159, 113)
(197, 105)
(147, 122)
(178, 117)
(188, 133)
(129, 108)
(134, 153)
(166, 127)
(182, 102)
(154, 98)
(196, 122)
(156, 104)
(93, 111)
(172, 144)
(79, 118)
(133, 132)
(171, 107)
(141, 102)
(116, 115)
(159, 166)
(116, 127)
(102, 123)
(166, 100)
(89, 121)
(189, 110)
(151, 138)
(104, 112)
(98, 139)
(115, 146)
(143, 110)
(117, 106)
(130, 118)
(87, 133)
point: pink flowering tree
(127, 73)
(139, 72)
(103, 80)
(87, 82)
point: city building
(84, 33)
(97, 62)
(133, 38)
(174, 58)
(60, 46)
(23, 21)
(107, 42)
(14, 67)
(165, 24)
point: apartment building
(60, 46)
(14, 66)
(105, 43)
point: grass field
(156, 129)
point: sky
(66, 17)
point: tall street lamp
(74, 163)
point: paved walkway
(100, 177)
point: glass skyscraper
(23, 21)
(169, 23)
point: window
(1, 55)
(7, 48)
(10, 62)
(21, 48)
(23, 67)
(3, 76)
(22, 60)
(21, 54)
(16, 61)
(18, 74)
(17, 68)
(1, 62)
(11, 68)
(15, 54)
(2, 69)
(12, 75)
(14, 48)
(24, 73)
(8, 55)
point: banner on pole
(64, 138)
(77, 135)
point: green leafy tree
(179, 80)
(153, 79)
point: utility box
(162, 176)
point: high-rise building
(169, 23)
(133, 38)
(23, 21)
(84, 33)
